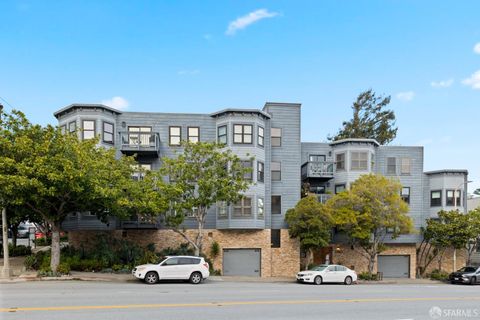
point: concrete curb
(112, 277)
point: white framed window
(139, 135)
(436, 198)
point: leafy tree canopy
(370, 120)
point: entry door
(241, 262)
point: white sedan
(190, 268)
(328, 273)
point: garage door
(394, 266)
(241, 262)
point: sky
(203, 56)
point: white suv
(190, 268)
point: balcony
(318, 170)
(141, 143)
(135, 222)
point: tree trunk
(55, 248)
(308, 258)
(371, 263)
(199, 239)
(14, 229)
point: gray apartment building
(252, 234)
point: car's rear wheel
(318, 280)
(473, 280)
(196, 278)
(348, 280)
(151, 277)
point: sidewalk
(122, 277)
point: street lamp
(456, 190)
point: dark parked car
(470, 275)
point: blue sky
(202, 56)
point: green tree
(450, 230)
(201, 176)
(60, 175)
(311, 222)
(370, 119)
(474, 233)
(369, 213)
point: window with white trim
(260, 171)
(175, 135)
(391, 165)
(405, 166)
(405, 194)
(260, 208)
(108, 132)
(260, 136)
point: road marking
(231, 303)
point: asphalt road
(235, 300)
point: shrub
(30, 262)
(214, 249)
(63, 268)
(439, 275)
(183, 250)
(367, 276)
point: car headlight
(140, 268)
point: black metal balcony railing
(320, 169)
(140, 142)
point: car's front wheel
(151, 277)
(196, 278)
(473, 280)
(318, 280)
(348, 280)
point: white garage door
(394, 266)
(241, 262)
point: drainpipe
(6, 272)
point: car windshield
(467, 269)
(319, 268)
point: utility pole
(6, 272)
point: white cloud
(476, 48)
(188, 72)
(442, 83)
(406, 96)
(248, 19)
(473, 81)
(119, 103)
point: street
(234, 300)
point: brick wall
(276, 262)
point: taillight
(206, 265)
